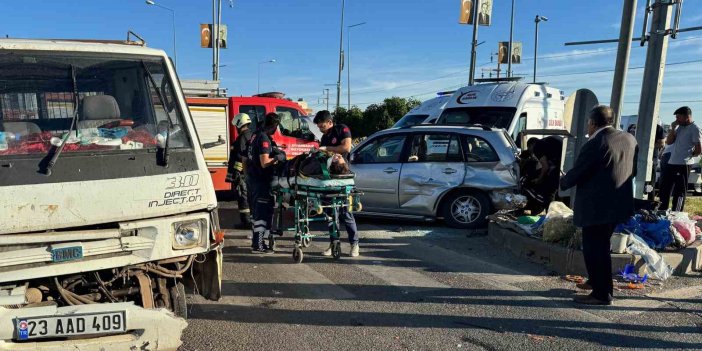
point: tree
(376, 116)
(353, 118)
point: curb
(564, 261)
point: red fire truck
(213, 117)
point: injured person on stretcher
(316, 166)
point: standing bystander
(603, 176)
(684, 139)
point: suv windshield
(410, 120)
(494, 117)
(118, 105)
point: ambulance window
(256, 112)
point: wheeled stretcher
(313, 200)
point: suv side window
(290, 124)
(479, 150)
(435, 148)
(385, 149)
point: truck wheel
(466, 210)
(178, 301)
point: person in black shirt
(337, 139)
(235, 168)
(262, 155)
(544, 188)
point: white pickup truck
(107, 209)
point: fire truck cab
(213, 121)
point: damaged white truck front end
(107, 210)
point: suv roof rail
(486, 128)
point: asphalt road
(425, 287)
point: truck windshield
(494, 117)
(410, 120)
(118, 105)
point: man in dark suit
(484, 15)
(517, 54)
(603, 177)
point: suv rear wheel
(466, 209)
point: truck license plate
(61, 326)
(63, 254)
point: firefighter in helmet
(235, 171)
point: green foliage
(376, 116)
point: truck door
(212, 126)
(295, 136)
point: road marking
(466, 265)
(497, 276)
(657, 300)
(402, 276)
(314, 283)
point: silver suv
(460, 174)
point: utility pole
(509, 49)
(219, 23)
(341, 57)
(626, 33)
(213, 40)
(651, 89)
(214, 36)
(326, 90)
(474, 44)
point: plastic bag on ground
(558, 224)
(684, 225)
(655, 264)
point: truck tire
(466, 209)
(178, 301)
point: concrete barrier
(566, 261)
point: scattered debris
(574, 278)
(535, 337)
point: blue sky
(407, 48)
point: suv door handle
(390, 170)
(283, 146)
(449, 171)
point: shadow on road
(599, 332)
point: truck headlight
(187, 235)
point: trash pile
(555, 226)
(644, 235)
(661, 230)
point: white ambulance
(508, 104)
(427, 112)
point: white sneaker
(354, 250)
(328, 252)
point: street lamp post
(175, 51)
(258, 87)
(341, 57)
(536, 40)
(348, 55)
